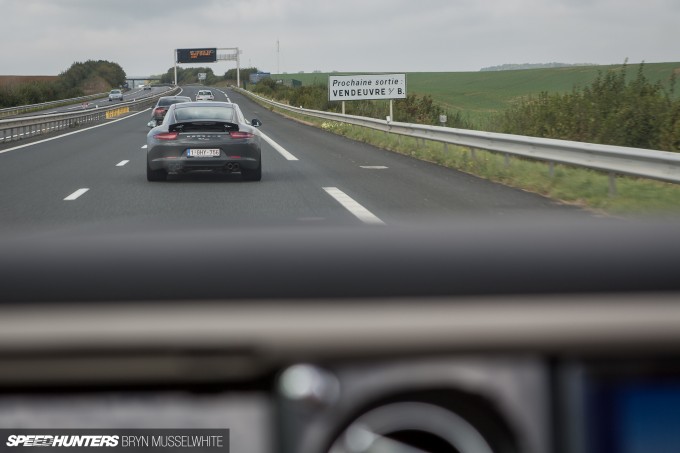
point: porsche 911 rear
(204, 146)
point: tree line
(69, 84)
(187, 76)
(611, 110)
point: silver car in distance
(115, 95)
(204, 136)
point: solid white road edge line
(71, 133)
(281, 150)
(352, 206)
(75, 194)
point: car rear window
(170, 101)
(205, 113)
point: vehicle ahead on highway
(198, 136)
(161, 107)
(205, 95)
(115, 95)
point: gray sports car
(204, 136)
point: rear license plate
(203, 153)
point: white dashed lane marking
(353, 206)
(280, 149)
(75, 195)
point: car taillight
(166, 136)
(239, 134)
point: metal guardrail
(644, 163)
(14, 129)
(18, 110)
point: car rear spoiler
(204, 125)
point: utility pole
(175, 58)
(278, 57)
(238, 67)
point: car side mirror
(151, 124)
(256, 123)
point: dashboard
(523, 336)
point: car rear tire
(252, 175)
(155, 175)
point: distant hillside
(514, 67)
(81, 78)
(6, 80)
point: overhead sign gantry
(209, 55)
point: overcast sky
(44, 37)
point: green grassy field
(481, 95)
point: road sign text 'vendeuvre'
(369, 86)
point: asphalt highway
(96, 177)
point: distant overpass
(135, 79)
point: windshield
(445, 205)
(533, 84)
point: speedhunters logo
(157, 440)
(46, 440)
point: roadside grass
(583, 187)
(586, 188)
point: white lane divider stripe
(279, 148)
(373, 167)
(122, 163)
(76, 194)
(145, 146)
(352, 206)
